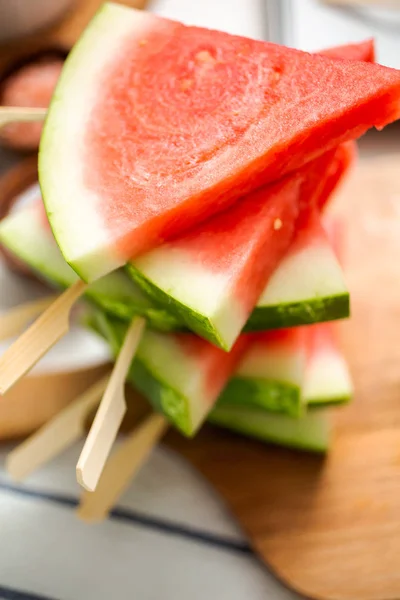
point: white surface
(50, 552)
(315, 26)
(240, 17)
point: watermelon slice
(328, 379)
(203, 275)
(28, 237)
(288, 370)
(173, 389)
(307, 287)
(212, 277)
(180, 374)
(362, 51)
(274, 373)
(155, 126)
(271, 373)
(312, 432)
(26, 234)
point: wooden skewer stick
(56, 435)
(15, 114)
(121, 468)
(110, 413)
(52, 324)
(16, 319)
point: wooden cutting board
(330, 528)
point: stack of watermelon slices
(197, 164)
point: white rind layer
(164, 356)
(327, 377)
(202, 291)
(275, 362)
(24, 233)
(88, 249)
(312, 272)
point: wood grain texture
(330, 528)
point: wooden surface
(331, 528)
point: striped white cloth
(169, 538)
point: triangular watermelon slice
(179, 373)
(155, 126)
(312, 432)
(212, 277)
(307, 287)
(363, 51)
(321, 296)
(271, 373)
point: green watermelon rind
(257, 422)
(170, 401)
(303, 312)
(274, 396)
(331, 401)
(311, 433)
(193, 320)
(115, 293)
(162, 396)
(277, 316)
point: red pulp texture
(363, 51)
(193, 119)
(344, 158)
(248, 240)
(293, 337)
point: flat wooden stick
(110, 413)
(13, 321)
(14, 114)
(121, 468)
(52, 324)
(56, 435)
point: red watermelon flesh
(213, 276)
(169, 124)
(344, 158)
(363, 51)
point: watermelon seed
(277, 224)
